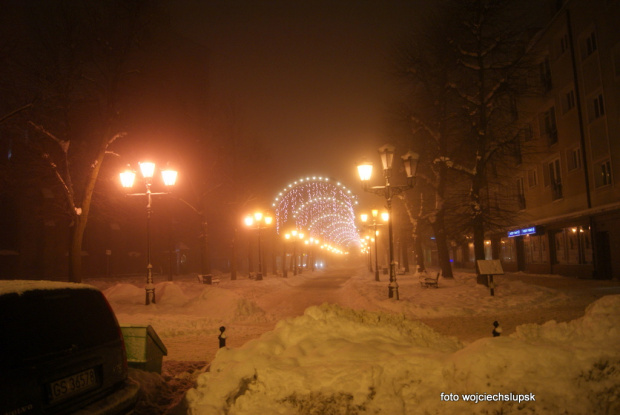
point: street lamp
(259, 221)
(169, 178)
(410, 162)
(287, 237)
(311, 252)
(385, 218)
(296, 235)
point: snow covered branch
(64, 144)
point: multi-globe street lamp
(410, 161)
(295, 236)
(311, 244)
(258, 221)
(169, 178)
(373, 225)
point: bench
(208, 279)
(427, 281)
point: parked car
(61, 351)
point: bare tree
(75, 60)
(465, 74)
(492, 58)
(424, 64)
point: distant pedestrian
(222, 337)
(497, 330)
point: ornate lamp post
(310, 251)
(385, 218)
(169, 178)
(410, 161)
(296, 235)
(259, 222)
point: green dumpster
(145, 350)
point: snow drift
(334, 360)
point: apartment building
(568, 186)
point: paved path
(582, 292)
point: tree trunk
(75, 250)
(419, 255)
(81, 215)
(405, 254)
(478, 225)
(441, 240)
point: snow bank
(333, 360)
(460, 296)
(21, 286)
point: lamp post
(287, 238)
(385, 218)
(365, 241)
(410, 161)
(259, 221)
(297, 236)
(169, 178)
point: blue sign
(532, 230)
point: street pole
(376, 254)
(410, 161)
(259, 276)
(393, 286)
(150, 287)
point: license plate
(72, 385)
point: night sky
(310, 78)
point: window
(616, 59)
(564, 43)
(520, 193)
(589, 45)
(568, 101)
(560, 247)
(532, 178)
(545, 75)
(535, 248)
(603, 175)
(553, 178)
(517, 153)
(508, 251)
(548, 126)
(597, 107)
(573, 158)
(573, 245)
(514, 111)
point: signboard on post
(490, 267)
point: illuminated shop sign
(532, 230)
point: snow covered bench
(427, 280)
(208, 279)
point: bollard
(222, 337)
(497, 330)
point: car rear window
(48, 323)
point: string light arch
(322, 206)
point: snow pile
(333, 360)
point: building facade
(568, 195)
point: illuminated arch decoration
(321, 206)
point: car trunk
(56, 365)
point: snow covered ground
(364, 353)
